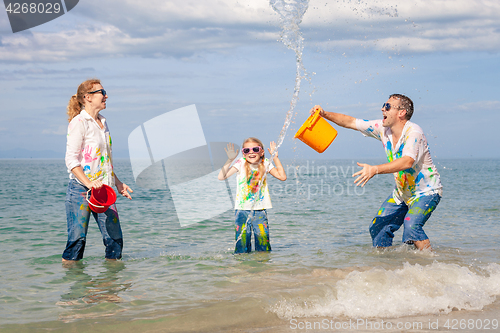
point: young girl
(252, 194)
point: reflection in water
(92, 296)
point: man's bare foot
(423, 245)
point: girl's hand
(272, 148)
(231, 152)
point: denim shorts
(247, 221)
(78, 216)
(391, 216)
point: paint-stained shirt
(251, 192)
(419, 180)
(89, 146)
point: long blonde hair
(76, 101)
(261, 164)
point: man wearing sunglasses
(418, 187)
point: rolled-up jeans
(78, 216)
(391, 216)
(247, 221)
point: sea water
(322, 270)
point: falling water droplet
(291, 13)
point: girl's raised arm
(277, 172)
(226, 171)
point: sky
(226, 57)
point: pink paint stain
(87, 155)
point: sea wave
(437, 288)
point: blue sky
(225, 56)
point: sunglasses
(254, 149)
(102, 91)
(388, 106)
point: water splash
(291, 13)
(436, 289)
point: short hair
(406, 103)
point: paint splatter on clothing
(392, 216)
(248, 190)
(246, 223)
(89, 146)
(78, 216)
(419, 180)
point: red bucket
(101, 198)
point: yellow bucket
(316, 132)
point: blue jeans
(391, 216)
(78, 216)
(245, 222)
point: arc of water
(291, 13)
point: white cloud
(420, 26)
(60, 130)
(157, 28)
(38, 73)
(463, 108)
(481, 105)
(110, 41)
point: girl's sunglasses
(254, 149)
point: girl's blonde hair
(76, 102)
(261, 163)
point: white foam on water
(437, 288)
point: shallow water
(187, 279)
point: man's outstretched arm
(368, 171)
(337, 118)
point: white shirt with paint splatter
(419, 180)
(248, 191)
(89, 146)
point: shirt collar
(88, 117)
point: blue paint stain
(411, 171)
(419, 178)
